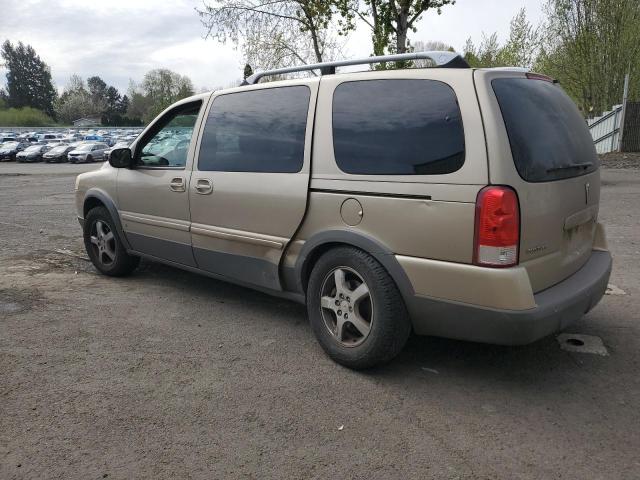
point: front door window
(168, 146)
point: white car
(87, 152)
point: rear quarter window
(548, 136)
(397, 127)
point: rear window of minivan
(549, 137)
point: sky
(120, 40)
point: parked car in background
(27, 138)
(117, 145)
(32, 154)
(9, 150)
(46, 136)
(87, 152)
(58, 154)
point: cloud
(120, 40)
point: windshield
(10, 145)
(548, 136)
(85, 147)
(35, 148)
(60, 149)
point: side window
(256, 131)
(168, 142)
(397, 127)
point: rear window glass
(256, 131)
(397, 127)
(549, 137)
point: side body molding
(364, 242)
(108, 202)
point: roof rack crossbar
(441, 59)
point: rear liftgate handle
(203, 186)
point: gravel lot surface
(167, 374)
(621, 160)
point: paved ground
(170, 375)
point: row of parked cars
(70, 146)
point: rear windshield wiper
(580, 166)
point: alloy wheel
(103, 242)
(346, 306)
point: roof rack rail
(443, 59)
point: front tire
(355, 309)
(104, 246)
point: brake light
(539, 76)
(497, 234)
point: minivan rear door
(248, 190)
(539, 144)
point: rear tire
(104, 246)
(355, 309)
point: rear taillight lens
(497, 234)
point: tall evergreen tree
(28, 78)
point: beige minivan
(446, 201)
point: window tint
(256, 131)
(397, 127)
(169, 141)
(549, 138)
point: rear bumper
(555, 308)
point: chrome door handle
(177, 184)
(203, 186)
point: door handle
(177, 184)
(203, 186)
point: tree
(520, 50)
(390, 21)
(97, 90)
(28, 78)
(523, 45)
(589, 45)
(75, 102)
(123, 105)
(139, 104)
(486, 55)
(274, 33)
(162, 87)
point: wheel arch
(99, 198)
(322, 242)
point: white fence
(605, 130)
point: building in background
(91, 121)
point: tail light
(497, 234)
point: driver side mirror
(120, 158)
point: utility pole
(625, 97)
